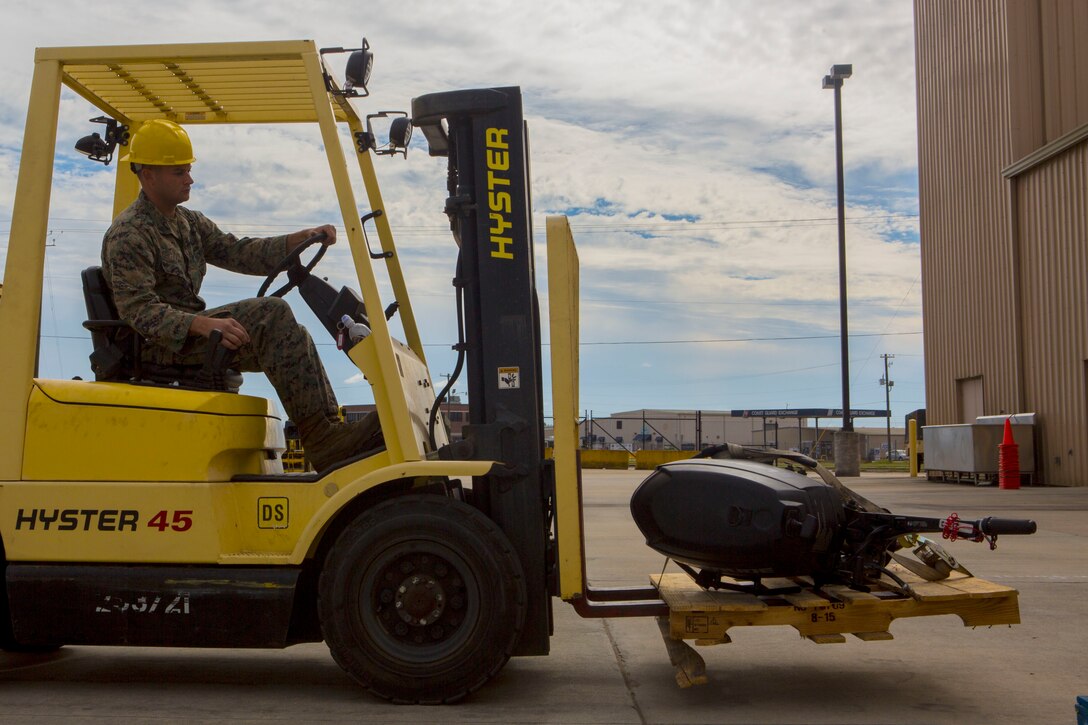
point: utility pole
(887, 383)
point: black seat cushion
(117, 348)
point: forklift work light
(356, 72)
(400, 133)
(94, 147)
(101, 149)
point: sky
(690, 144)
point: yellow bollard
(912, 437)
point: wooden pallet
(823, 615)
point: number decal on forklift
(111, 603)
(182, 521)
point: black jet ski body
(742, 518)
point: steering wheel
(291, 264)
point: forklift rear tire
(422, 599)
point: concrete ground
(617, 671)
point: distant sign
(806, 413)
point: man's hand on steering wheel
(297, 238)
(297, 243)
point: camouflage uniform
(155, 267)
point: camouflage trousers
(278, 346)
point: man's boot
(327, 443)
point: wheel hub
(420, 600)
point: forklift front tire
(422, 599)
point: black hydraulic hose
(460, 347)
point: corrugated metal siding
(963, 144)
(1053, 232)
(998, 80)
(1063, 26)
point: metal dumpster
(968, 452)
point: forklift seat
(117, 348)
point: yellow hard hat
(160, 143)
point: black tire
(7, 639)
(422, 599)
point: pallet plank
(780, 583)
(684, 595)
(806, 599)
(935, 592)
(978, 587)
(845, 594)
(873, 636)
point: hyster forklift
(149, 507)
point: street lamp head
(841, 71)
(832, 83)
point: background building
(455, 411)
(1003, 189)
(691, 430)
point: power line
(630, 342)
(670, 226)
(744, 339)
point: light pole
(848, 461)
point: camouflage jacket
(155, 266)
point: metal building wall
(1053, 239)
(1063, 34)
(1003, 153)
(963, 144)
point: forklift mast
(482, 133)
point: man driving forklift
(154, 258)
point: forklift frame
(176, 497)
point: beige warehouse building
(1003, 194)
(692, 430)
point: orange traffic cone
(1008, 459)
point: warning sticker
(509, 378)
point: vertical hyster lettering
(499, 201)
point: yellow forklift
(151, 508)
